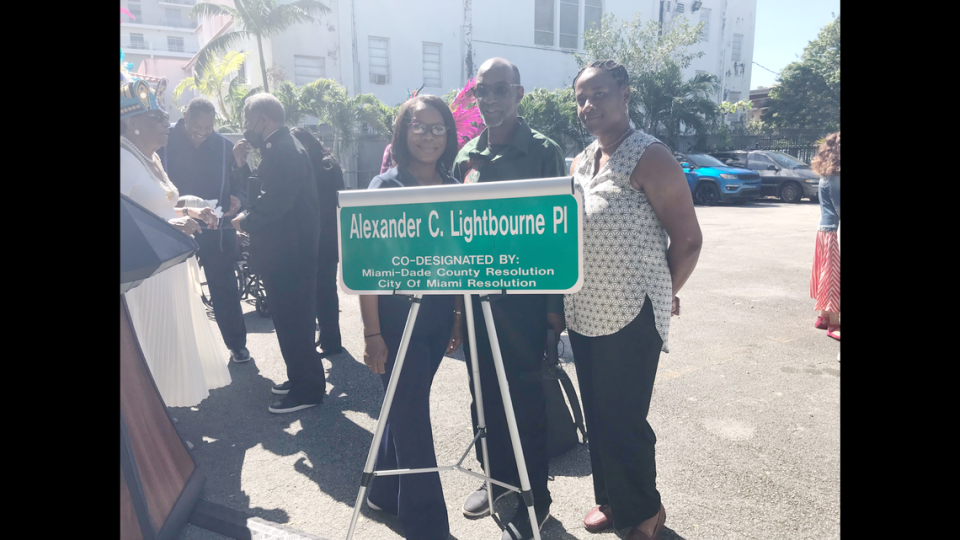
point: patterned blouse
(625, 247)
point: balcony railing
(174, 23)
(147, 46)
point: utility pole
(467, 65)
(356, 53)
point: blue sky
(784, 27)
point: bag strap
(568, 389)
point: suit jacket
(284, 217)
(329, 181)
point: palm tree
(290, 97)
(329, 102)
(210, 79)
(661, 102)
(254, 18)
(553, 114)
(237, 94)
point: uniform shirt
(530, 155)
(284, 217)
(203, 171)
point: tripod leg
(384, 412)
(475, 367)
(511, 418)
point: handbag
(561, 426)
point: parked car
(780, 175)
(712, 182)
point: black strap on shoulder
(567, 385)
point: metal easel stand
(368, 472)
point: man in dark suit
(284, 226)
(198, 161)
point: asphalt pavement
(746, 409)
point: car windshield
(703, 160)
(788, 162)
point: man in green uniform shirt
(509, 150)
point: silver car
(781, 175)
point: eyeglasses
(500, 91)
(436, 129)
(159, 116)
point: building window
(592, 13)
(733, 97)
(173, 16)
(737, 44)
(569, 23)
(679, 7)
(543, 22)
(134, 9)
(379, 60)
(705, 19)
(431, 64)
(242, 72)
(307, 69)
(136, 41)
(174, 44)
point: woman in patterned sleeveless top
(641, 243)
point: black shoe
(288, 404)
(240, 355)
(281, 389)
(331, 352)
(518, 528)
(477, 503)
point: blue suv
(712, 182)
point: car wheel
(790, 193)
(706, 194)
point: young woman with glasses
(424, 146)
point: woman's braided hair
(616, 69)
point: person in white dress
(169, 318)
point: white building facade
(389, 48)
(394, 47)
(159, 40)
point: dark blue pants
(218, 255)
(521, 324)
(616, 375)
(328, 302)
(407, 443)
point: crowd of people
(641, 244)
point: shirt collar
(521, 141)
(267, 138)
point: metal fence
(799, 144)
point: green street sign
(523, 236)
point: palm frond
(282, 17)
(203, 10)
(219, 44)
(184, 85)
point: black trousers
(407, 443)
(218, 255)
(521, 324)
(290, 299)
(616, 375)
(328, 302)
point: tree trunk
(263, 65)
